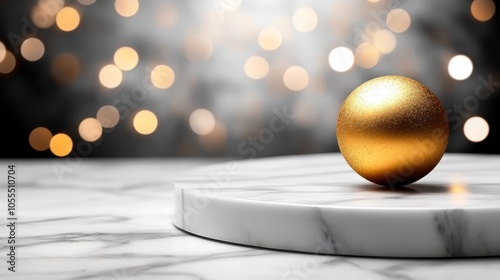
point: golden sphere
(392, 130)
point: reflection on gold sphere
(392, 130)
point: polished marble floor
(112, 219)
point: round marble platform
(318, 204)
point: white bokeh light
(460, 67)
(202, 121)
(476, 129)
(341, 59)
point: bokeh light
(482, 10)
(202, 121)
(110, 76)
(145, 122)
(123, 56)
(270, 39)
(305, 113)
(162, 76)
(90, 129)
(296, 78)
(398, 20)
(460, 67)
(214, 139)
(126, 58)
(65, 68)
(44, 13)
(86, 2)
(384, 40)
(304, 19)
(341, 59)
(32, 49)
(198, 47)
(54, 5)
(256, 67)
(167, 15)
(108, 116)
(476, 129)
(366, 55)
(458, 189)
(8, 63)
(61, 145)
(68, 19)
(3, 51)
(39, 139)
(126, 8)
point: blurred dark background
(242, 78)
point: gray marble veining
(112, 220)
(290, 202)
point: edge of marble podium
(425, 232)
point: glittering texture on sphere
(392, 130)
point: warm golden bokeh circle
(8, 63)
(384, 41)
(256, 67)
(296, 78)
(43, 15)
(202, 121)
(3, 51)
(126, 8)
(215, 139)
(32, 49)
(366, 55)
(39, 139)
(398, 20)
(482, 10)
(270, 39)
(305, 19)
(145, 122)
(162, 76)
(198, 47)
(108, 116)
(90, 129)
(392, 130)
(61, 145)
(110, 76)
(65, 68)
(67, 19)
(126, 58)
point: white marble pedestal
(318, 204)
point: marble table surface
(112, 219)
(316, 203)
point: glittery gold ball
(392, 130)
